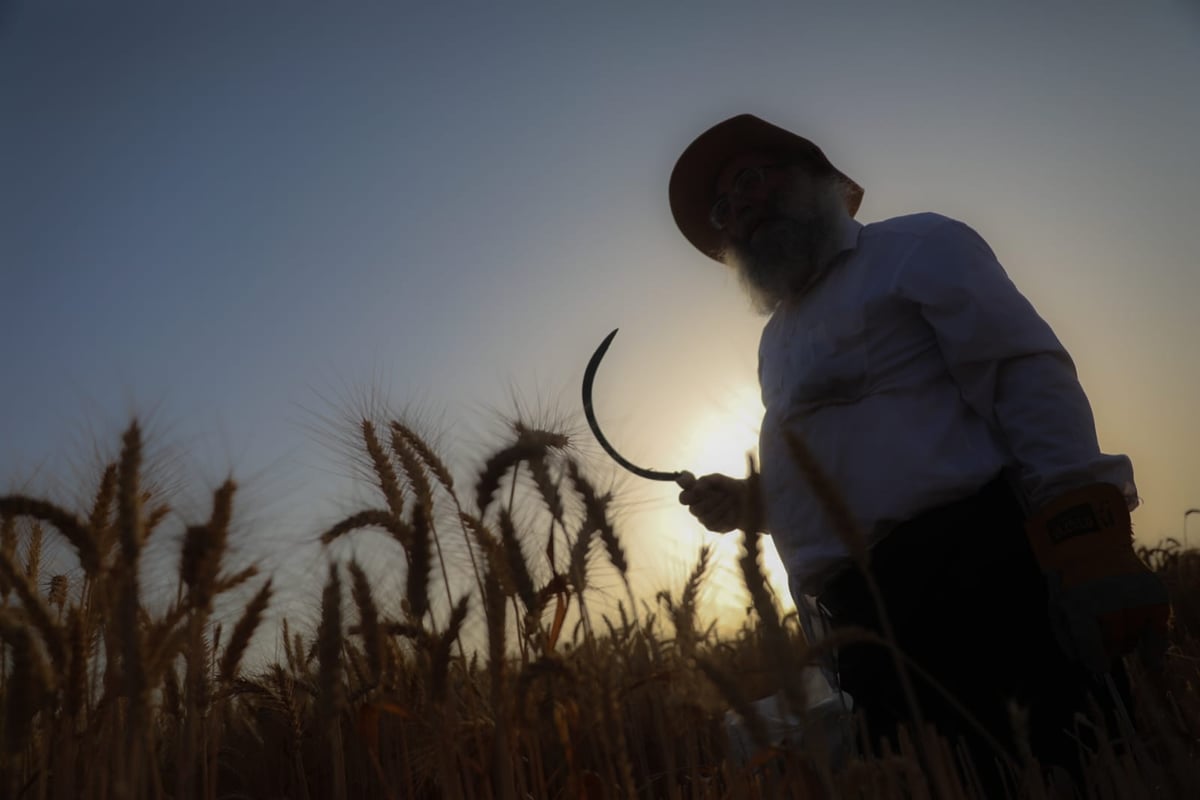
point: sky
(241, 221)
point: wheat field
(511, 682)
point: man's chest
(852, 338)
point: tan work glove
(1104, 601)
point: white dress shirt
(915, 372)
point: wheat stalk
(419, 553)
(33, 553)
(66, 523)
(495, 468)
(731, 690)
(579, 557)
(495, 611)
(539, 470)
(329, 648)
(404, 435)
(439, 658)
(227, 583)
(75, 680)
(99, 517)
(577, 569)
(155, 518)
(133, 666)
(514, 559)
(57, 591)
(370, 518)
(831, 500)
(8, 547)
(384, 472)
(204, 547)
(493, 551)
(167, 641)
(540, 438)
(129, 498)
(37, 611)
(684, 615)
(414, 471)
(427, 454)
(596, 508)
(246, 625)
(368, 619)
(26, 686)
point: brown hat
(695, 175)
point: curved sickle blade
(589, 377)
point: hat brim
(695, 175)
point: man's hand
(721, 503)
(1104, 602)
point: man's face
(750, 193)
(780, 224)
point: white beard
(788, 251)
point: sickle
(589, 376)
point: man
(949, 418)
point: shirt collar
(848, 239)
(847, 244)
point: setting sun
(722, 438)
(725, 434)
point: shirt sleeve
(1009, 366)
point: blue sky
(233, 219)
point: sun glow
(724, 436)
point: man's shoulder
(937, 235)
(911, 224)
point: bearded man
(950, 419)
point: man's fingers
(715, 500)
(712, 505)
(718, 515)
(699, 491)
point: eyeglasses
(746, 181)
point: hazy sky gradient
(226, 216)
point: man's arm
(1011, 369)
(1009, 366)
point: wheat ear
(371, 518)
(596, 508)
(427, 454)
(329, 648)
(26, 686)
(414, 471)
(129, 497)
(38, 613)
(368, 620)
(75, 684)
(243, 631)
(684, 615)
(384, 473)
(420, 562)
(439, 660)
(66, 523)
(514, 558)
(100, 516)
(33, 553)
(497, 466)
(493, 551)
(539, 470)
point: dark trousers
(967, 602)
